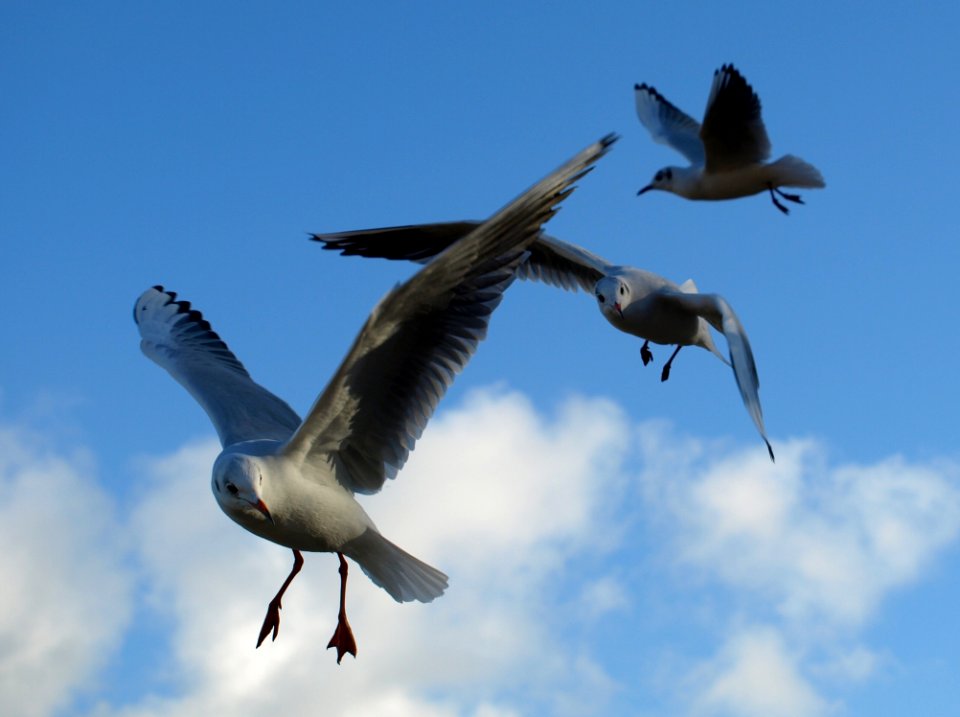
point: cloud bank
(539, 519)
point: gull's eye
(623, 290)
(658, 176)
(601, 298)
(669, 174)
(232, 489)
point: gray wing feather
(550, 260)
(733, 132)
(180, 340)
(715, 309)
(420, 336)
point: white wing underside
(718, 313)
(669, 125)
(180, 340)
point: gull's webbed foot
(343, 639)
(645, 354)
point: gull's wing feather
(181, 341)
(414, 242)
(733, 133)
(669, 125)
(715, 309)
(550, 260)
(420, 336)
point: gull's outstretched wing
(550, 260)
(720, 314)
(669, 125)
(180, 340)
(420, 336)
(733, 133)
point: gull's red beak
(619, 310)
(262, 507)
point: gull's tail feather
(403, 576)
(790, 171)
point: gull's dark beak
(262, 507)
(645, 189)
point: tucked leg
(645, 354)
(775, 201)
(343, 636)
(791, 197)
(666, 367)
(272, 621)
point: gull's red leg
(272, 620)
(343, 636)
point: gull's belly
(649, 320)
(737, 183)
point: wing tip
(649, 90)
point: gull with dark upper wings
(635, 301)
(728, 152)
(293, 482)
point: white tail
(403, 576)
(791, 171)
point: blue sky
(615, 545)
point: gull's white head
(664, 179)
(679, 180)
(613, 296)
(237, 485)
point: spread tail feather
(792, 171)
(403, 576)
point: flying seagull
(635, 301)
(728, 152)
(293, 482)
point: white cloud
(810, 549)
(756, 675)
(66, 596)
(823, 543)
(496, 495)
(787, 563)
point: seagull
(635, 301)
(293, 482)
(728, 152)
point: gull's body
(728, 152)
(635, 301)
(293, 482)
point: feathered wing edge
(550, 260)
(715, 309)
(177, 338)
(420, 335)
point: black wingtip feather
(194, 320)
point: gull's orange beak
(262, 507)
